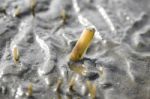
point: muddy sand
(37, 36)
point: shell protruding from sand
(82, 44)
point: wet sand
(45, 32)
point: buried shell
(72, 83)
(32, 6)
(64, 16)
(78, 68)
(17, 12)
(58, 85)
(30, 90)
(92, 89)
(15, 55)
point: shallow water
(118, 60)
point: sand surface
(117, 62)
